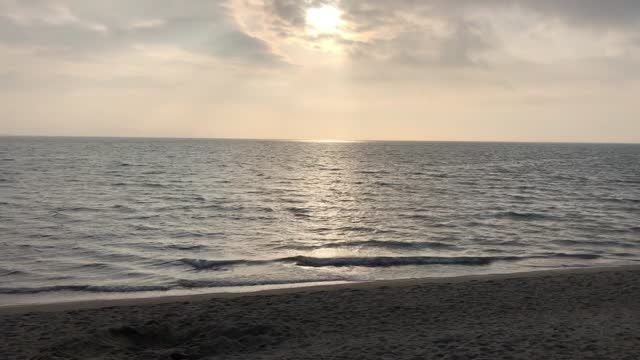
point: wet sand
(564, 314)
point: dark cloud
(238, 45)
(460, 47)
(418, 33)
(405, 32)
(467, 40)
(610, 13)
(615, 13)
(93, 28)
(291, 12)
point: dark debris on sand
(155, 340)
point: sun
(323, 20)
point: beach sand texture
(583, 314)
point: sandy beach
(565, 314)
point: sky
(479, 70)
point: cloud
(461, 44)
(460, 32)
(611, 13)
(85, 28)
(449, 33)
(428, 64)
(401, 32)
(291, 12)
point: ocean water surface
(97, 218)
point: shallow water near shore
(95, 218)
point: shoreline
(586, 314)
(62, 306)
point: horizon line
(316, 140)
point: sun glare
(324, 19)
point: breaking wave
(177, 285)
(376, 261)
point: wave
(141, 217)
(389, 261)
(76, 209)
(123, 208)
(125, 164)
(383, 184)
(622, 181)
(202, 264)
(329, 169)
(177, 285)
(375, 244)
(185, 247)
(527, 216)
(377, 261)
(140, 227)
(624, 254)
(573, 256)
(418, 216)
(619, 200)
(95, 265)
(356, 229)
(446, 224)
(41, 236)
(191, 284)
(221, 207)
(153, 185)
(9, 272)
(374, 172)
(194, 234)
(598, 243)
(87, 288)
(299, 212)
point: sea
(98, 218)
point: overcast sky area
(480, 70)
